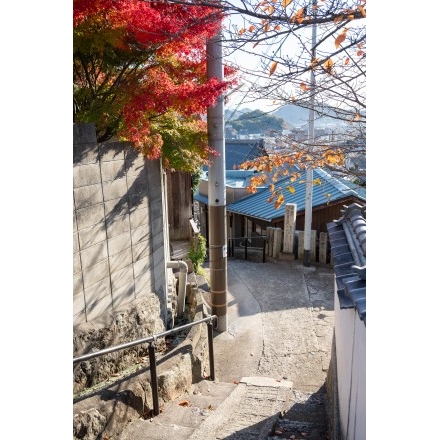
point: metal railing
(152, 353)
(255, 243)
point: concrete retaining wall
(120, 238)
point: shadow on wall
(132, 162)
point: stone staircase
(255, 408)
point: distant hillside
(292, 114)
(295, 116)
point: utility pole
(217, 190)
(309, 179)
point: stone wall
(120, 242)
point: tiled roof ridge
(347, 237)
(355, 228)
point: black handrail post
(264, 250)
(153, 374)
(211, 349)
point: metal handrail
(152, 353)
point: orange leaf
(350, 17)
(347, 60)
(273, 68)
(358, 116)
(328, 65)
(304, 87)
(290, 188)
(270, 9)
(362, 10)
(241, 31)
(340, 38)
(271, 187)
(251, 28)
(337, 19)
(266, 27)
(359, 53)
(286, 3)
(279, 201)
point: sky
(36, 245)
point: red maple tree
(139, 73)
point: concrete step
(303, 417)
(247, 410)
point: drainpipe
(183, 273)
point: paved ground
(270, 365)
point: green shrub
(197, 252)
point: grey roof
(331, 189)
(347, 237)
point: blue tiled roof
(256, 205)
(347, 238)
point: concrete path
(270, 365)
